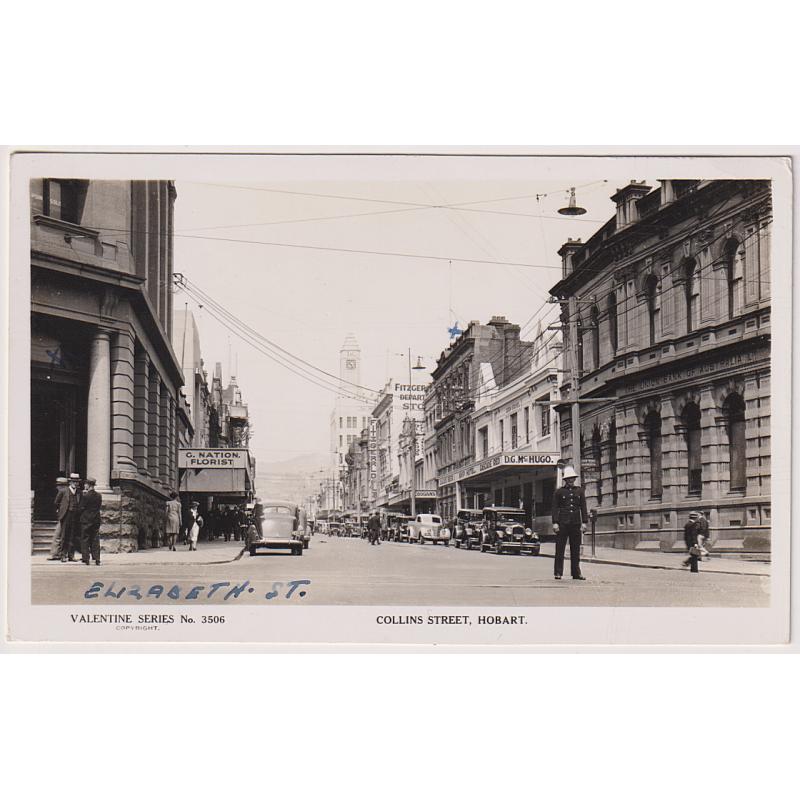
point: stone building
(456, 381)
(674, 327)
(104, 377)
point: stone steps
(42, 533)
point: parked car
(303, 533)
(428, 528)
(468, 526)
(279, 521)
(399, 533)
(505, 531)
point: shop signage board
(529, 460)
(221, 458)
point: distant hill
(293, 478)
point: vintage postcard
(427, 398)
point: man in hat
(69, 516)
(695, 534)
(90, 522)
(569, 521)
(58, 534)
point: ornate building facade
(104, 377)
(672, 298)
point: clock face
(350, 363)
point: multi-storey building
(673, 313)
(104, 377)
(517, 449)
(351, 411)
(456, 381)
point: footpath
(648, 559)
(221, 552)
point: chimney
(667, 191)
(625, 198)
(567, 252)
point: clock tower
(350, 361)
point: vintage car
(399, 531)
(278, 528)
(467, 528)
(505, 531)
(428, 528)
(303, 532)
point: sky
(307, 299)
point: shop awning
(500, 465)
(223, 471)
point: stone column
(141, 371)
(153, 385)
(714, 446)
(98, 424)
(173, 452)
(673, 453)
(122, 403)
(163, 434)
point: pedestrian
(569, 522)
(58, 534)
(258, 513)
(374, 528)
(69, 516)
(173, 519)
(91, 502)
(702, 535)
(692, 536)
(193, 522)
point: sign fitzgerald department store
(498, 461)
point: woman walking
(193, 522)
(173, 519)
(693, 537)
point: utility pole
(574, 344)
(413, 453)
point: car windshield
(278, 510)
(515, 519)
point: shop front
(523, 480)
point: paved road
(352, 572)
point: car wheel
(468, 545)
(298, 551)
(446, 543)
(305, 545)
(498, 548)
(252, 551)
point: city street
(343, 571)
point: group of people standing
(184, 525)
(77, 507)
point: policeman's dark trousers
(90, 543)
(693, 561)
(571, 533)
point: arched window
(652, 428)
(733, 411)
(613, 324)
(653, 307)
(595, 337)
(598, 464)
(734, 272)
(692, 295)
(691, 420)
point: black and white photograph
(400, 397)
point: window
(544, 409)
(734, 270)
(653, 307)
(340, 441)
(733, 412)
(341, 422)
(613, 323)
(64, 200)
(652, 427)
(513, 431)
(483, 439)
(502, 434)
(595, 337)
(692, 289)
(527, 424)
(691, 419)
